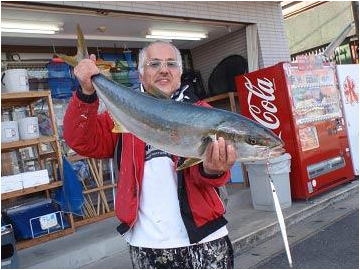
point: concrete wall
(318, 26)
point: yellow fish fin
(188, 163)
(119, 128)
(157, 93)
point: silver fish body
(184, 129)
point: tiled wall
(273, 45)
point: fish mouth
(276, 151)
(266, 153)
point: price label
(48, 221)
(31, 129)
(10, 132)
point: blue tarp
(70, 196)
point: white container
(36, 178)
(261, 193)
(11, 183)
(9, 131)
(14, 80)
(29, 128)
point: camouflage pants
(210, 255)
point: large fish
(179, 128)
(183, 129)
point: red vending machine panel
(302, 105)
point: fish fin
(156, 92)
(205, 142)
(71, 60)
(188, 163)
(82, 52)
(119, 128)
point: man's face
(165, 78)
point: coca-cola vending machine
(301, 104)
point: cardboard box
(11, 183)
(37, 178)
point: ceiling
(121, 29)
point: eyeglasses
(157, 64)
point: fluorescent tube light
(173, 34)
(30, 27)
(167, 37)
(29, 31)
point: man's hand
(83, 72)
(219, 157)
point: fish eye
(252, 141)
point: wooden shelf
(26, 143)
(22, 98)
(75, 158)
(220, 97)
(48, 155)
(99, 188)
(94, 219)
(25, 191)
(29, 100)
(29, 243)
(229, 95)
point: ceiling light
(168, 37)
(31, 27)
(173, 34)
(30, 31)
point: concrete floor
(99, 245)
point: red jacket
(89, 134)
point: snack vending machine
(301, 103)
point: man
(169, 219)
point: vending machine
(301, 103)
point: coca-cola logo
(265, 91)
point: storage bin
(61, 88)
(58, 70)
(20, 217)
(9, 258)
(261, 193)
(121, 77)
(29, 128)
(9, 131)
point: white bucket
(29, 128)
(9, 131)
(14, 80)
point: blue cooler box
(28, 220)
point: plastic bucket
(261, 193)
(29, 128)
(9, 131)
(14, 80)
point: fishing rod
(279, 215)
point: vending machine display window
(315, 95)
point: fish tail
(82, 51)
